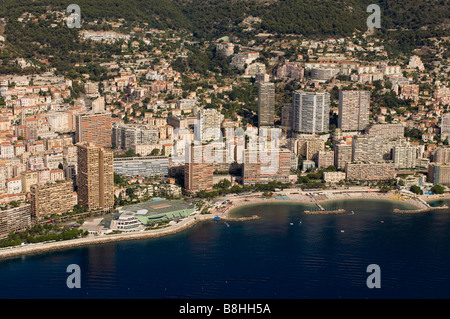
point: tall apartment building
(15, 218)
(390, 131)
(125, 136)
(311, 112)
(404, 156)
(94, 128)
(312, 147)
(439, 174)
(367, 149)
(51, 198)
(259, 168)
(286, 117)
(95, 179)
(370, 171)
(354, 107)
(208, 124)
(445, 125)
(325, 159)
(441, 155)
(343, 153)
(142, 166)
(198, 173)
(266, 104)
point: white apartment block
(14, 185)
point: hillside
(39, 37)
(212, 17)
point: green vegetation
(223, 188)
(44, 38)
(39, 233)
(438, 189)
(416, 190)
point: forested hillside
(212, 17)
(41, 38)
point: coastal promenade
(173, 228)
(223, 212)
(94, 240)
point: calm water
(266, 258)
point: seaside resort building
(136, 216)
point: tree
(155, 152)
(223, 184)
(416, 190)
(437, 189)
(384, 189)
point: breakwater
(240, 219)
(325, 212)
(421, 210)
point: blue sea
(284, 255)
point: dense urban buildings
(163, 115)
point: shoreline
(224, 214)
(185, 224)
(414, 204)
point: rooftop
(157, 207)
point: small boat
(292, 224)
(228, 225)
(342, 231)
(300, 223)
(353, 212)
(382, 221)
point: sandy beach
(223, 211)
(298, 196)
